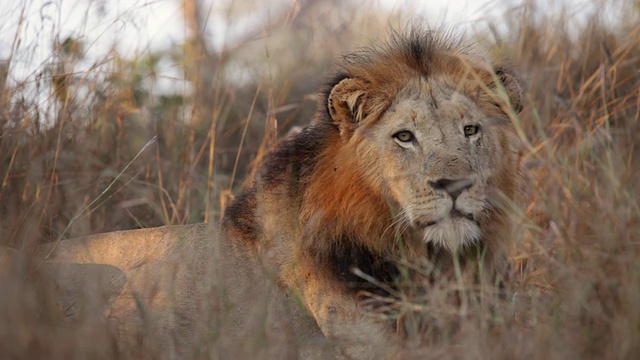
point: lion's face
(440, 161)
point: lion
(411, 154)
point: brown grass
(99, 150)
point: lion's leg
(335, 309)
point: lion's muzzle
(447, 220)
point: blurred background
(133, 114)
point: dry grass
(99, 150)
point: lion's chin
(452, 233)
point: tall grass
(100, 150)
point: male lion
(409, 155)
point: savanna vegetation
(107, 148)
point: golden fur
(346, 192)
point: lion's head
(425, 139)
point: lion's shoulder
(283, 173)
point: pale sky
(140, 23)
(137, 25)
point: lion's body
(167, 291)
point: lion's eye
(404, 136)
(470, 130)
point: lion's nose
(452, 187)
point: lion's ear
(347, 105)
(512, 87)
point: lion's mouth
(454, 214)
